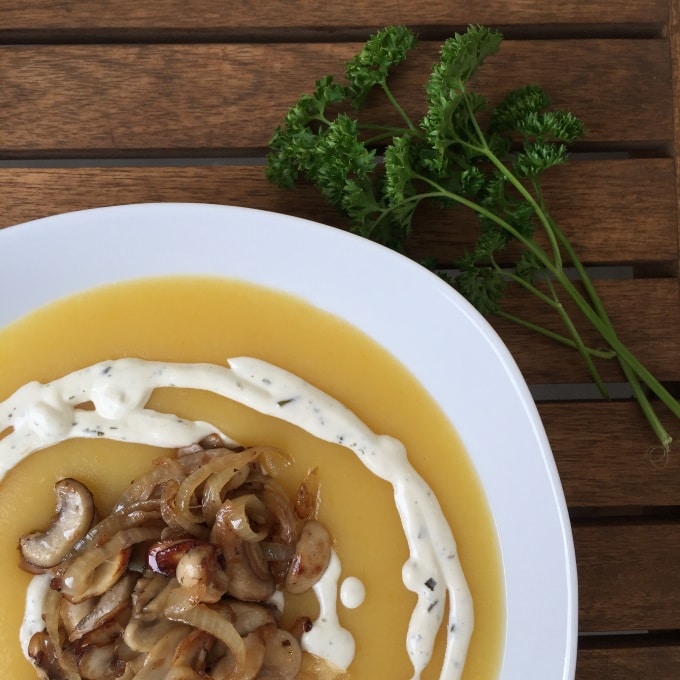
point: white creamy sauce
(33, 621)
(43, 415)
(352, 592)
(327, 639)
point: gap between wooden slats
(630, 201)
(628, 576)
(19, 15)
(134, 97)
(633, 659)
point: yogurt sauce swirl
(41, 415)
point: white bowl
(488, 402)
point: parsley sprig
(463, 151)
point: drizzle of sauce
(45, 414)
(33, 621)
(327, 639)
(352, 592)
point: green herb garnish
(465, 152)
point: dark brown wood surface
(104, 103)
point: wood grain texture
(657, 662)
(113, 99)
(645, 313)
(628, 576)
(596, 202)
(607, 456)
(217, 14)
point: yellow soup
(209, 320)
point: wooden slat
(628, 577)
(213, 14)
(630, 201)
(607, 455)
(645, 313)
(658, 662)
(117, 98)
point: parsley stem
(502, 168)
(530, 244)
(527, 285)
(397, 106)
(606, 330)
(647, 410)
(576, 341)
(562, 339)
(527, 195)
(580, 346)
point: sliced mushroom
(100, 663)
(244, 584)
(312, 555)
(200, 573)
(108, 633)
(109, 606)
(74, 514)
(158, 661)
(163, 557)
(282, 656)
(250, 616)
(149, 624)
(147, 588)
(44, 655)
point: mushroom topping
(42, 651)
(109, 606)
(282, 656)
(164, 556)
(312, 555)
(175, 583)
(74, 515)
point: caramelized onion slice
(308, 495)
(74, 514)
(273, 460)
(96, 570)
(250, 616)
(210, 621)
(241, 514)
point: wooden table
(117, 102)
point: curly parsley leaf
(372, 65)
